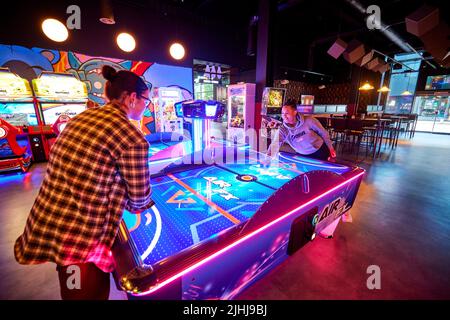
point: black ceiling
(303, 29)
(216, 30)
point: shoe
(347, 217)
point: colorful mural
(29, 63)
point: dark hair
(291, 104)
(122, 81)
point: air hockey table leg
(328, 232)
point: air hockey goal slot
(302, 231)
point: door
(433, 113)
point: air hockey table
(216, 229)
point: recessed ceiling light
(126, 42)
(177, 51)
(55, 30)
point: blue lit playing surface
(273, 176)
(192, 206)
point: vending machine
(241, 111)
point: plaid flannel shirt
(97, 168)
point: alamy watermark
(74, 280)
(74, 19)
(374, 19)
(374, 280)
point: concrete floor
(401, 223)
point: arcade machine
(164, 99)
(218, 226)
(59, 97)
(272, 103)
(161, 125)
(306, 104)
(17, 114)
(241, 111)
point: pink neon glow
(250, 235)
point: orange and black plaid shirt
(97, 168)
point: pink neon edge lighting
(250, 235)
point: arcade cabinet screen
(18, 114)
(237, 111)
(438, 82)
(179, 109)
(210, 110)
(307, 100)
(52, 111)
(275, 98)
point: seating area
(369, 136)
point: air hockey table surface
(201, 205)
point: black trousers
(323, 153)
(83, 281)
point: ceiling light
(55, 30)
(106, 12)
(384, 89)
(177, 51)
(366, 86)
(126, 42)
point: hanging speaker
(422, 20)
(383, 68)
(437, 41)
(365, 59)
(355, 50)
(374, 64)
(337, 48)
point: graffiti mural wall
(28, 63)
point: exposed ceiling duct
(394, 37)
(390, 34)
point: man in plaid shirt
(97, 168)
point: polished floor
(401, 223)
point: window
(403, 84)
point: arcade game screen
(168, 98)
(237, 111)
(59, 85)
(18, 114)
(307, 99)
(52, 111)
(438, 82)
(275, 98)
